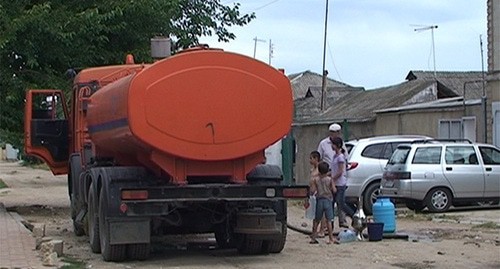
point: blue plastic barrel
(385, 212)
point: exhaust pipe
(160, 47)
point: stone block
(58, 247)
(39, 229)
(41, 240)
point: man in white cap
(326, 152)
(325, 146)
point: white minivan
(367, 159)
(439, 173)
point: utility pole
(425, 28)
(271, 50)
(325, 73)
(484, 98)
(255, 45)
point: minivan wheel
(438, 200)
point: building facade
(493, 78)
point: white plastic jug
(347, 235)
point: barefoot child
(324, 188)
(314, 159)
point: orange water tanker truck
(172, 147)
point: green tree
(40, 40)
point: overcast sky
(370, 43)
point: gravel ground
(458, 239)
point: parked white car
(367, 159)
(439, 173)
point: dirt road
(468, 239)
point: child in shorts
(324, 187)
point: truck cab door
(46, 128)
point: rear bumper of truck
(159, 200)
(255, 210)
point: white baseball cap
(334, 128)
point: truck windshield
(399, 156)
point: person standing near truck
(324, 188)
(326, 151)
(338, 174)
(314, 160)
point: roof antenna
(425, 28)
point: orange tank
(201, 112)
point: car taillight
(135, 195)
(396, 175)
(295, 192)
(352, 165)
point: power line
(333, 62)
(265, 5)
(258, 8)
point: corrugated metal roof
(441, 103)
(302, 81)
(361, 105)
(454, 81)
(310, 105)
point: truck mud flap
(129, 231)
(257, 222)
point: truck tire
(138, 251)
(78, 227)
(438, 200)
(369, 196)
(74, 172)
(93, 218)
(277, 245)
(223, 237)
(250, 246)
(264, 174)
(75, 169)
(115, 253)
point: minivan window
(399, 156)
(427, 155)
(461, 155)
(490, 155)
(373, 151)
(390, 148)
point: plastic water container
(385, 212)
(347, 235)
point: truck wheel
(370, 196)
(438, 200)
(78, 228)
(138, 251)
(94, 237)
(223, 237)
(250, 246)
(265, 174)
(115, 253)
(75, 169)
(277, 245)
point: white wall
(495, 111)
(273, 154)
